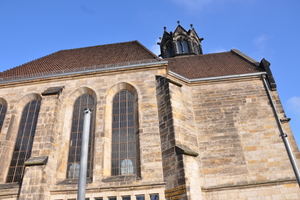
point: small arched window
(170, 50)
(2, 114)
(24, 141)
(185, 46)
(179, 47)
(82, 102)
(124, 135)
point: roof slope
(193, 66)
(212, 65)
(83, 57)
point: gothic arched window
(82, 102)
(2, 114)
(24, 141)
(179, 47)
(185, 46)
(124, 135)
(169, 49)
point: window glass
(154, 197)
(82, 102)
(85, 199)
(112, 198)
(123, 139)
(185, 46)
(179, 46)
(126, 198)
(24, 141)
(2, 114)
(140, 197)
(98, 198)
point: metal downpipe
(283, 135)
(84, 154)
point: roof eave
(216, 77)
(139, 65)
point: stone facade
(198, 140)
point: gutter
(216, 77)
(86, 71)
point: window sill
(73, 181)
(122, 178)
(10, 185)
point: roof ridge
(97, 45)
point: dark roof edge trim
(264, 64)
(216, 77)
(87, 71)
(255, 62)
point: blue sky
(261, 29)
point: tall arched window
(125, 159)
(24, 141)
(2, 114)
(82, 102)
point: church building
(182, 125)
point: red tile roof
(191, 67)
(212, 65)
(84, 57)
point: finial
(192, 26)
(178, 22)
(165, 28)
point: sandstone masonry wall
(53, 134)
(238, 136)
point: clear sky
(267, 29)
